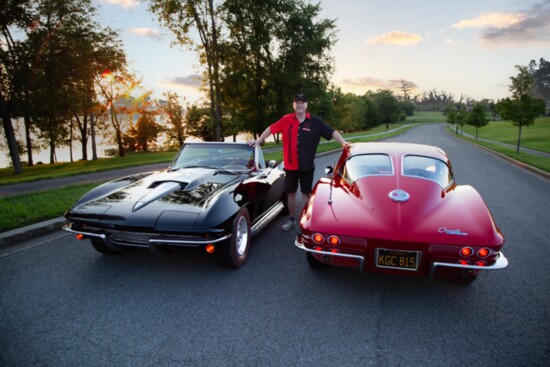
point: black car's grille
(143, 239)
(130, 237)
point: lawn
(536, 136)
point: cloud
(370, 83)
(395, 38)
(145, 32)
(191, 81)
(529, 26)
(126, 4)
(493, 20)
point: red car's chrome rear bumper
(500, 263)
(359, 258)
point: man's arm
(340, 139)
(265, 134)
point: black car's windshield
(232, 157)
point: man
(301, 134)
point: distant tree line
(65, 79)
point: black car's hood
(188, 191)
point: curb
(19, 235)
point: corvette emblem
(456, 232)
(399, 196)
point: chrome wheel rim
(241, 240)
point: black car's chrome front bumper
(116, 240)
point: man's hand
(254, 143)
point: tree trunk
(28, 141)
(84, 138)
(52, 151)
(519, 140)
(10, 137)
(92, 133)
(71, 159)
(116, 125)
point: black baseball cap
(300, 97)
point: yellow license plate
(395, 259)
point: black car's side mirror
(329, 171)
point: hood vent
(168, 182)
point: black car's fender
(226, 204)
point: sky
(467, 48)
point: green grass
(21, 210)
(536, 136)
(529, 159)
(427, 117)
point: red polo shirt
(300, 141)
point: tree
(196, 120)
(142, 133)
(387, 106)
(93, 50)
(452, 118)
(461, 116)
(477, 117)
(274, 49)
(405, 90)
(356, 118)
(50, 68)
(14, 14)
(522, 108)
(180, 17)
(175, 113)
(541, 79)
(115, 88)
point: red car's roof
(398, 149)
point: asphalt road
(63, 304)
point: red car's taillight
(334, 240)
(483, 252)
(318, 238)
(466, 251)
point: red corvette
(396, 208)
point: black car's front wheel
(235, 251)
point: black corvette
(215, 195)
